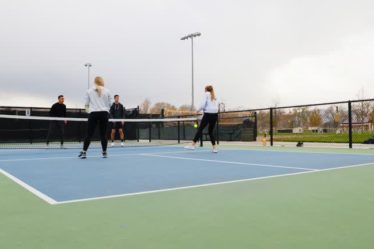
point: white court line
(291, 150)
(54, 202)
(98, 156)
(36, 192)
(230, 162)
(210, 184)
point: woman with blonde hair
(210, 108)
(98, 102)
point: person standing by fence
(58, 109)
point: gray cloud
(250, 50)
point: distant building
(358, 126)
(298, 130)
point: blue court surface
(58, 176)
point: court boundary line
(230, 162)
(294, 150)
(31, 189)
(98, 156)
(209, 184)
(51, 201)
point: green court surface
(327, 209)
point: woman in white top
(98, 100)
(210, 109)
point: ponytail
(99, 82)
(210, 89)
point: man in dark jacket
(117, 111)
(58, 109)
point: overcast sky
(255, 53)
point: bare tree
(371, 115)
(145, 106)
(185, 108)
(263, 120)
(361, 113)
(333, 116)
(361, 110)
(300, 116)
(157, 107)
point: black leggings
(208, 119)
(93, 119)
(56, 126)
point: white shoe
(112, 144)
(122, 144)
(215, 150)
(190, 147)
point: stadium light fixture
(192, 36)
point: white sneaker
(122, 144)
(215, 150)
(112, 144)
(190, 147)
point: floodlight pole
(192, 78)
(88, 65)
(191, 36)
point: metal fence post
(150, 132)
(179, 131)
(350, 123)
(271, 127)
(255, 126)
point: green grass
(321, 137)
(331, 209)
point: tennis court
(169, 197)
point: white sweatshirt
(208, 106)
(98, 103)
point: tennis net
(18, 131)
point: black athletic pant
(56, 126)
(95, 118)
(208, 119)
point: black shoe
(105, 154)
(82, 155)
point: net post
(150, 132)
(350, 123)
(137, 125)
(30, 128)
(271, 127)
(179, 131)
(255, 126)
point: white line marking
(54, 202)
(290, 150)
(230, 162)
(34, 191)
(210, 184)
(97, 156)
